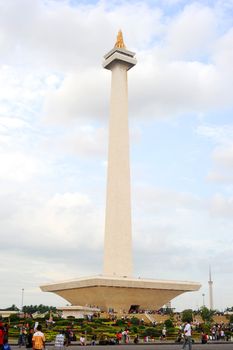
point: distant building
(6, 313)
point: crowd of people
(34, 338)
(217, 332)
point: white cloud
(222, 206)
(175, 88)
(220, 177)
(222, 154)
(172, 73)
(72, 99)
(191, 33)
(84, 141)
(64, 36)
(19, 167)
(68, 201)
(61, 222)
(12, 123)
(220, 134)
(223, 53)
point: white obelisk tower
(118, 242)
(116, 288)
(210, 282)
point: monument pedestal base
(118, 294)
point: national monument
(116, 289)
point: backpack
(6, 347)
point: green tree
(231, 319)
(12, 308)
(187, 315)
(206, 314)
(168, 323)
(229, 309)
(30, 309)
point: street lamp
(22, 299)
(203, 296)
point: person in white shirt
(82, 340)
(187, 336)
(59, 341)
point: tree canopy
(187, 315)
(13, 307)
(30, 309)
(206, 314)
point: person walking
(164, 333)
(67, 336)
(38, 339)
(187, 336)
(21, 339)
(6, 329)
(59, 341)
(29, 338)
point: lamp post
(203, 296)
(22, 300)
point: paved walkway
(156, 346)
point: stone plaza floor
(156, 346)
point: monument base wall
(119, 294)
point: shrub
(135, 321)
(14, 318)
(134, 329)
(168, 323)
(88, 329)
(141, 327)
(204, 328)
(120, 323)
(63, 322)
(151, 332)
(228, 334)
(97, 321)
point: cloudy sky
(54, 106)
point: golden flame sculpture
(120, 41)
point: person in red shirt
(1, 336)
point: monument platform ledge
(123, 282)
